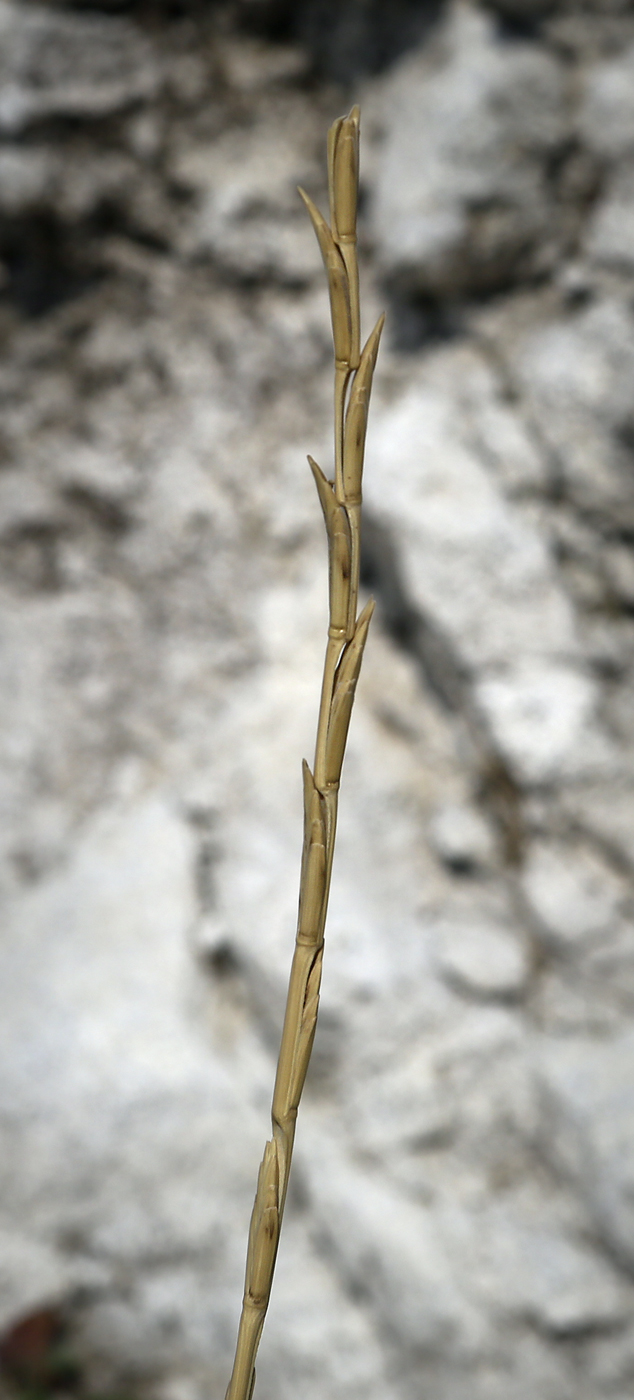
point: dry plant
(341, 504)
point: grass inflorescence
(347, 631)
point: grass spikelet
(341, 506)
(264, 1229)
(337, 282)
(346, 678)
(339, 552)
(346, 176)
(333, 137)
(313, 876)
(357, 418)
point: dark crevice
(224, 961)
(417, 322)
(44, 266)
(345, 40)
(98, 510)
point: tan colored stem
(342, 375)
(333, 652)
(341, 505)
(349, 254)
(354, 517)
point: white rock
(588, 1129)
(315, 1328)
(529, 1267)
(469, 558)
(390, 1250)
(250, 216)
(573, 892)
(462, 837)
(406, 1107)
(606, 116)
(113, 1107)
(610, 235)
(32, 1276)
(56, 64)
(474, 565)
(544, 721)
(576, 373)
(460, 198)
(481, 958)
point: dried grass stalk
(341, 504)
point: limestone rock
(459, 1217)
(588, 1129)
(461, 199)
(606, 114)
(472, 562)
(577, 374)
(249, 213)
(481, 958)
(56, 64)
(462, 837)
(574, 893)
(610, 234)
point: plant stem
(341, 505)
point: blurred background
(461, 1220)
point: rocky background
(462, 1216)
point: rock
(543, 720)
(572, 891)
(401, 1109)
(475, 565)
(68, 65)
(606, 812)
(468, 556)
(32, 1277)
(606, 114)
(480, 957)
(249, 214)
(526, 1266)
(610, 235)
(462, 1158)
(391, 1254)
(577, 374)
(25, 179)
(462, 837)
(317, 1330)
(100, 981)
(461, 200)
(587, 1129)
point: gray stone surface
(462, 199)
(68, 65)
(588, 1122)
(460, 1219)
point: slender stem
(333, 652)
(342, 374)
(354, 516)
(348, 248)
(346, 638)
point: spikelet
(343, 697)
(344, 651)
(346, 177)
(313, 877)
(357, 418)
(337, 282)
(264, 1230)
(307, 1031)
(333, 136)
(338, 531)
